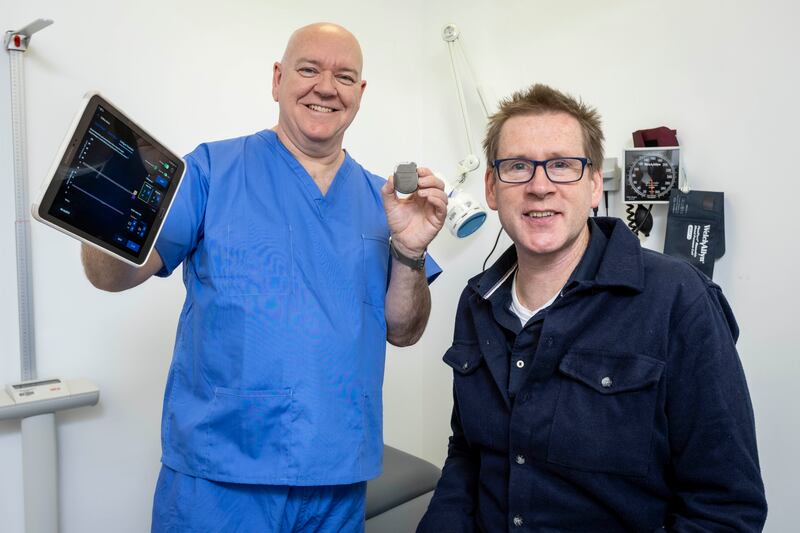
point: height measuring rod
(39, 453)
(34, 402)
(16, 42)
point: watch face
(650, 175)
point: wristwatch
(415, 263)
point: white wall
(724, 75)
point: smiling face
(318, 87)
(545, 220)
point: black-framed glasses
(557, 170)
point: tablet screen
(113, 184)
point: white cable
(683, 181)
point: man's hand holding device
(416, 206)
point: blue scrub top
(278, 365)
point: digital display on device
(112, 183)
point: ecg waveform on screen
(118, 147)
(90, 195)
(110, 144)
(100, 173)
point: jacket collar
(613, 258)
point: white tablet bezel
(63, 158)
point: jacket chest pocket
(483, 416)
(605, 414)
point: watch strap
(415, 263)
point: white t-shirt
(523, 313)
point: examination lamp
(465, 214)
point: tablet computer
(111, 184)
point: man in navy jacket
(596, 384)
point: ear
(490, 183)
(597, 187)
(276, 80)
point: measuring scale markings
(652, 177)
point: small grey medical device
(405, 178)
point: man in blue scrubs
(299, 265)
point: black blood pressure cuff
(696, 228)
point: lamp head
(464, 214)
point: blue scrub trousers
(185, 504)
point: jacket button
(520, 363)
(549, 341)
(606, 382)
(465, 365)
(520, 459)
(518, 521)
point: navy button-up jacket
(633, 415)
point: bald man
(299, 265)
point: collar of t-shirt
(523, 313)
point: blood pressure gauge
(650, 174)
